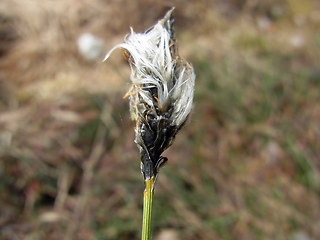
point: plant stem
(147, 209)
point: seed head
(162, 90)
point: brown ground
(245, 167)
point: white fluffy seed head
(162, 86)
(158, 78)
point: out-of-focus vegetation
(246, 166)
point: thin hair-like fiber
(162, 90)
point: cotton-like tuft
(162, 90)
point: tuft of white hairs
(162, 86)
(153, 66)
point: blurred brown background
(245, 167)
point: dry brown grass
(247, 166)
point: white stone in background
(297, 40)
(264, 23)
(5, 140)
(301, 235)
(90, 46)
(50, 217)
(168, 234)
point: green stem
(147, 209)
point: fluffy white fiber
(161, 80)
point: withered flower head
(162, 90)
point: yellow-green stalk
(147, 209)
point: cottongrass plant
(161, 99)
